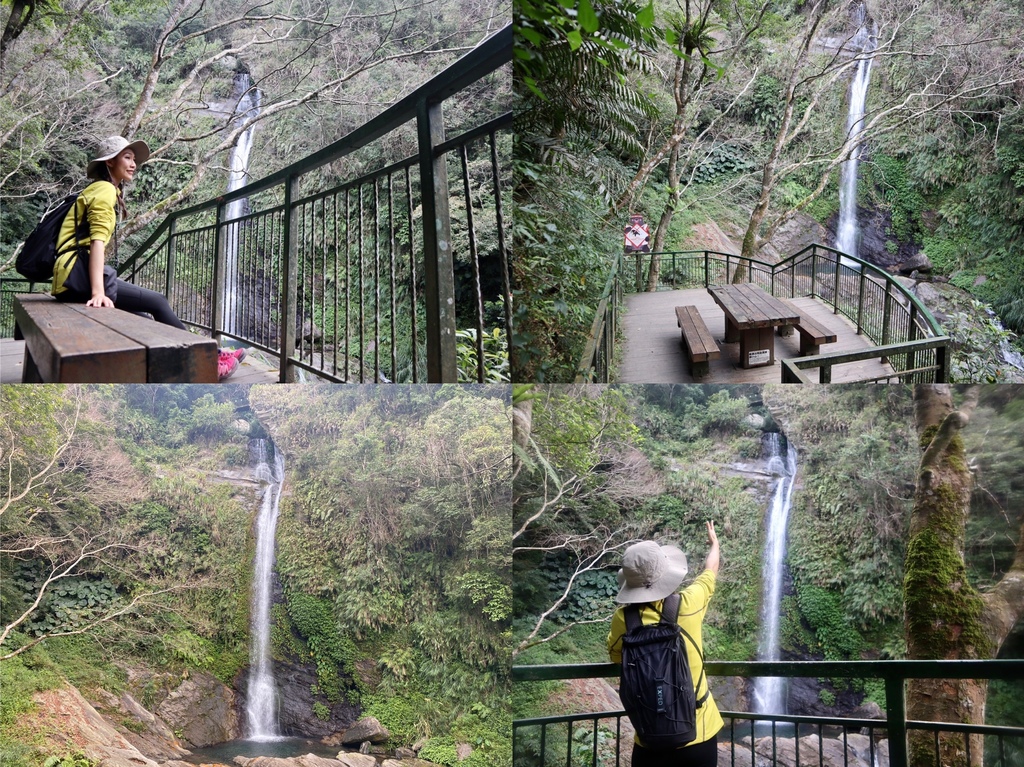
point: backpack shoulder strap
(696, 686)
(670, 609)
(632, 615)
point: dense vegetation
(625, 463)
(402, 605)
(732, 113)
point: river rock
(916, 263)
(367, 728)
(832, 752)
(202, 709)
(404, 753)
(80, 723)
(463, 751)
(407, 763)
(356, 760)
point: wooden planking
(66, 349)
(650, 351)
(173, 355)
(751, 307)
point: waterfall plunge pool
(283, 747)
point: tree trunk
(943, 618)
(661, 233)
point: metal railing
(560, 740)
(877, 304)
(395, 274)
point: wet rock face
(296, 712)
(202, 709)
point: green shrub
(440, 751)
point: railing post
(941, 364)
(172, 242)
(860, 302)
(219, 250)
(896, 720)
(289, 280)
(814, 273)
(835, 295)
(439, 276)
(707, 269)
(886, 312)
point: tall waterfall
(261, 706)
(247, 100)
(769, 692)
(847, 238)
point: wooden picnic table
(751, 316)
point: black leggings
(698, 755)
(125, 295)
(138, 300)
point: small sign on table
(759, 357)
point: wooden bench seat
(72, 343)
(812, 336)
(701, 346)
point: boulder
(463, 750)
(404, 753)
(202, 709)
(916, 263)
(868, 710)
(356, 760)
(367, 728)
(295, 684)
(407, 763)
(76, 721)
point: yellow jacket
(97, 204)
(692, 607)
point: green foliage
(905, 202)
(321, 712)
(440, 751)
(76, 759)
(837, 638)
(722, 161)
(978, 342)
(495, 348)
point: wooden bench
(72, 343)
(812, 336)
(701, 347)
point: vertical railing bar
(359, 255)
(323, 284)
(412, 279)
(376, 280)
(393, 373)
(348, 284)
(506, 298)
(218, 275)
(568, 744)
(289, 278)
(337, 283)
(967, 746)
(846, 748)
(543, 732)
(475, 258)
(594, 752)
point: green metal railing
(542, 741)
(355, 275)
(877, 304)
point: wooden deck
(652, 351)
(255, 368)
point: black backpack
(656, 686)
(39, 253)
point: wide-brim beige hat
(111, 147)
(650, 572)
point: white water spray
(848, 235)
(261, 706)
(247, 109)
(770, 692)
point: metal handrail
(296, 229)
(894, 673)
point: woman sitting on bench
(80, 274)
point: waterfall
(769, 692)
(247, 99)
(261, 706)
(847, 236)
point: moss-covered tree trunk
(946, 617)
